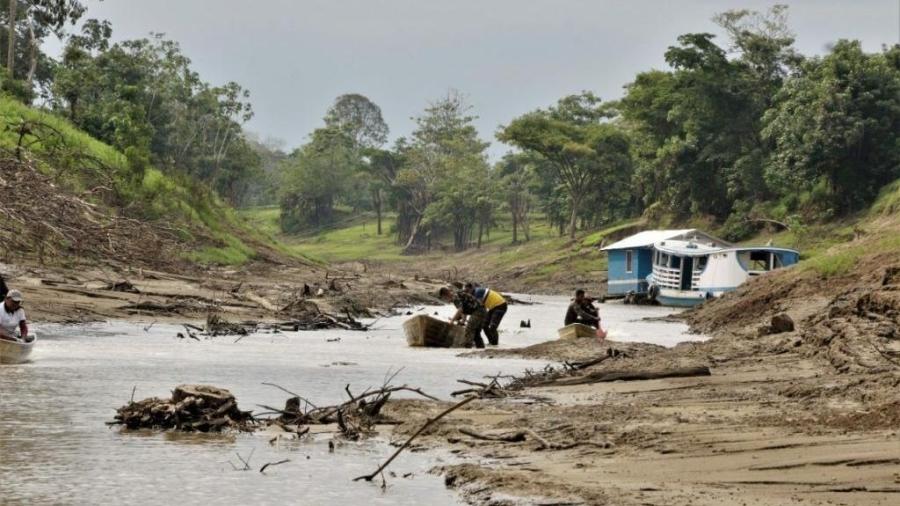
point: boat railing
(667, 277)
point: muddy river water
(56, 449)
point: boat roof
(690, 248)
(687, 248)
(649, 238)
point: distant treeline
(735, 133)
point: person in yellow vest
(496, 306)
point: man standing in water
(468, 308)
(12, 316)
(496, 307)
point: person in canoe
(12, 317)
(468, 309)
(582, 311)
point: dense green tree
(28, 23)
(360, 119)
(697, 140)
(382, 167)
(444, 156)
(315, 176)
(836, 129)
(516, 172)
(583, 150)
(142, 97)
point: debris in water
(200, 408)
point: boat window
(756, 261)
(700, 263)
(777, 261)
(675, 262)
(629, 261)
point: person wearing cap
(12, 316)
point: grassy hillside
(208, 230)
(548, 262)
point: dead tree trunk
(11, 41)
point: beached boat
(423, 330)
(685, 267)
(16, 352)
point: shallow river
(55, 448)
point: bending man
(468, 308)
(496, 306)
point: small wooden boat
(576, 330)
(16, 352)
(423, 330)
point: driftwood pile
(306, 315)
(192, 408)
(356, 418)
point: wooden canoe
(16, 352)
(576, 330)
(423, 330)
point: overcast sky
(507, 56)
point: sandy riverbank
(769, 426)
(807, 416)
(259, 292)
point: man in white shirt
(12, 317)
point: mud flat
(805, 416)
(258, 292)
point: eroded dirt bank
(808, 416)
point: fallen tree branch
(289, 392)
(512, 437)
(605, 376)
(427, 424)
(577, 366)
(263, 468)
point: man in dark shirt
(468, 308)
(582, 310)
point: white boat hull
(15, 352)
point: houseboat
(685, 267)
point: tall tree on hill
(143, 97)
(582, 150)
(11, 39)
(41, 17)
